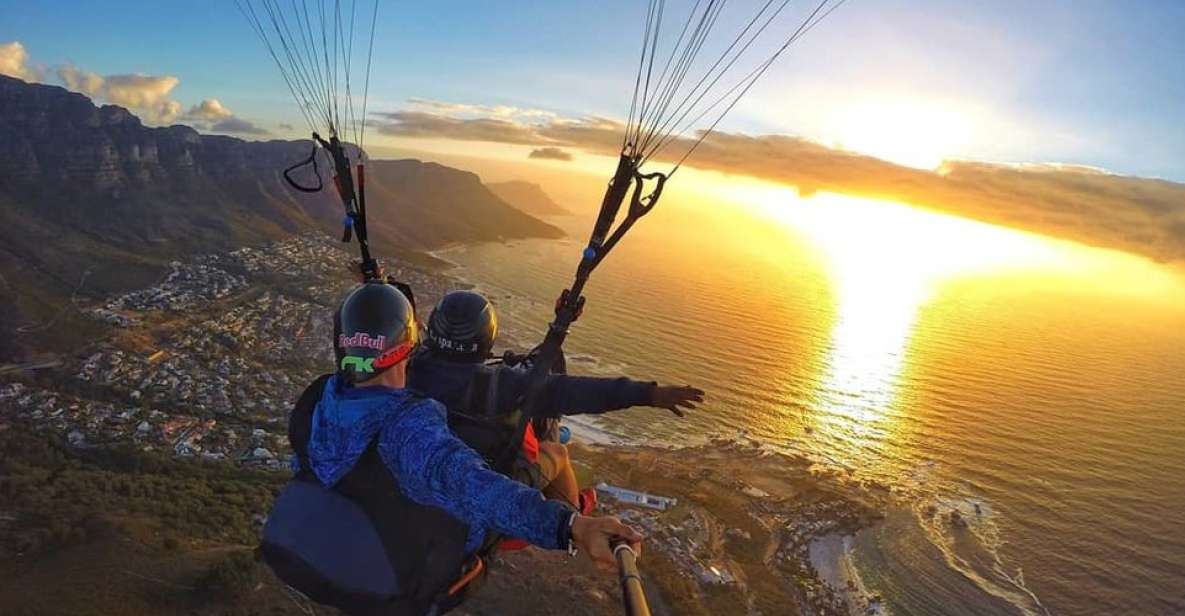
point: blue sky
(1088, 82)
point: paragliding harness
(488, 432)
(416, 551)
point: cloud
(14, 62)
(591, 133)
(550, 153)
(286, 126)
(210, 110)
(1139, 215)
(212, 116)
(237, 126)
(149, 97)
(425, 124)
(594, 133)
(462, 110)
(146, 95)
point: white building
(633, 497)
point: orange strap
(531, 444)
(469, 576)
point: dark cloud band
(550, 153)
(1139, 215)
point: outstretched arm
(577, 395)
(436, 468)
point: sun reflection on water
(886, 261)
(855, 401)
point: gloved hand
(593, 534)
(676, 398)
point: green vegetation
(53, 496)
(230, 577)
(122, 531)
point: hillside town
(205, 363)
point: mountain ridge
(89, 192)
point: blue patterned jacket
(432, 466)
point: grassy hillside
(119, 531)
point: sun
(911, 132)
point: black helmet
(374, 329)
(462, 327)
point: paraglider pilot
(449, 367)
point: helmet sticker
(361, 340)
(360, 364)
(447, 344)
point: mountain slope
(430, 204)
(527, 197)
(90, 194)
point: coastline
(831, 558)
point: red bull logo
(361, 340)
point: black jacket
(450, 384)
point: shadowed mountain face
(527, 197)
(427, 204)
(86, 188)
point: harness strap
(481, 396)
(467, 577)
(476, 391)
(491, 401)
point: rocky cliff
(85, 188)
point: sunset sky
(1091, 83)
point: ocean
(1035, 386)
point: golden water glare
(885, 261)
